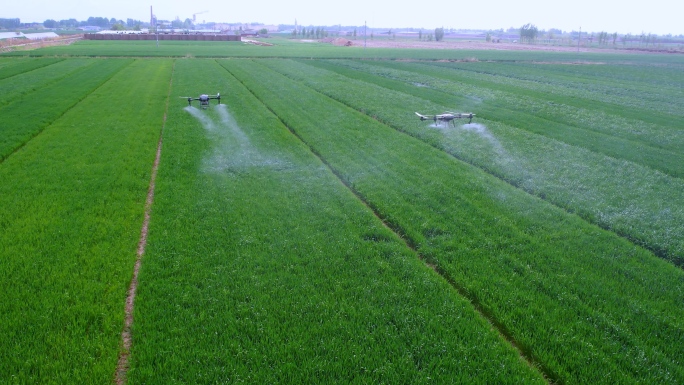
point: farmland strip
(551, 170)
(261, 266)
(410, 243)
(650, 103)
(582, 301)
(71, 204)
(631, 120)
(18, 127)
(123, 364)
(648, 155)
(21, 66)
(644, 154)
(29, 82)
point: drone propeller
(189, 98)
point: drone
(447, 117)
(203, 99)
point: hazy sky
(654, 16)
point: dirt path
(12, 46)
(126, 338)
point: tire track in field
(69, 108)
(659, 252)
(524, 354)
(123, 363)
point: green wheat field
(311, 229)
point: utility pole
(579, 37)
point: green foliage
(50, 23)
(261, 265)
(50, 102)
(12, 88)
(529, 33)
(439, 34)
(530, 160)
(548, 277)
(287, 48)
(275, 233)
(10, 24)
(17, 67)
(71, 206)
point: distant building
(40, 36)
(124, 32)
(11, 35)
(90, 28)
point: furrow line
(126, 337)
(657, 251)
(525, 354)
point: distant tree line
(10, 23)
(312, 33)
(101, 22)
(438, 35)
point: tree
(420, 34)
(488, 38)
(101, 22)
(529, 33)
(615, 36)
(263, 31)
(49, 23)
(10, 23)
(118, 27)
(439, 34)
(71, 23)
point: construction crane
(195, 14)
